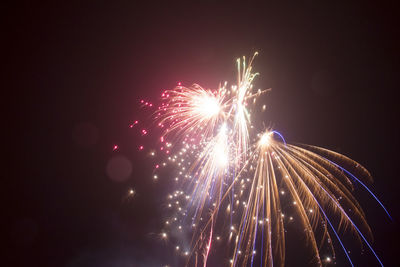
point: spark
(222, 163)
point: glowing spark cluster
(242, 189)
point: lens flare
(261, 183)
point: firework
(191, 110)
(316, 186)
(228, 185)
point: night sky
(73, 77)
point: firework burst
(228, 185)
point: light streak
(223, 164)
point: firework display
(242, 188)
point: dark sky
(73, 76)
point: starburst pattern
(228, 184)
